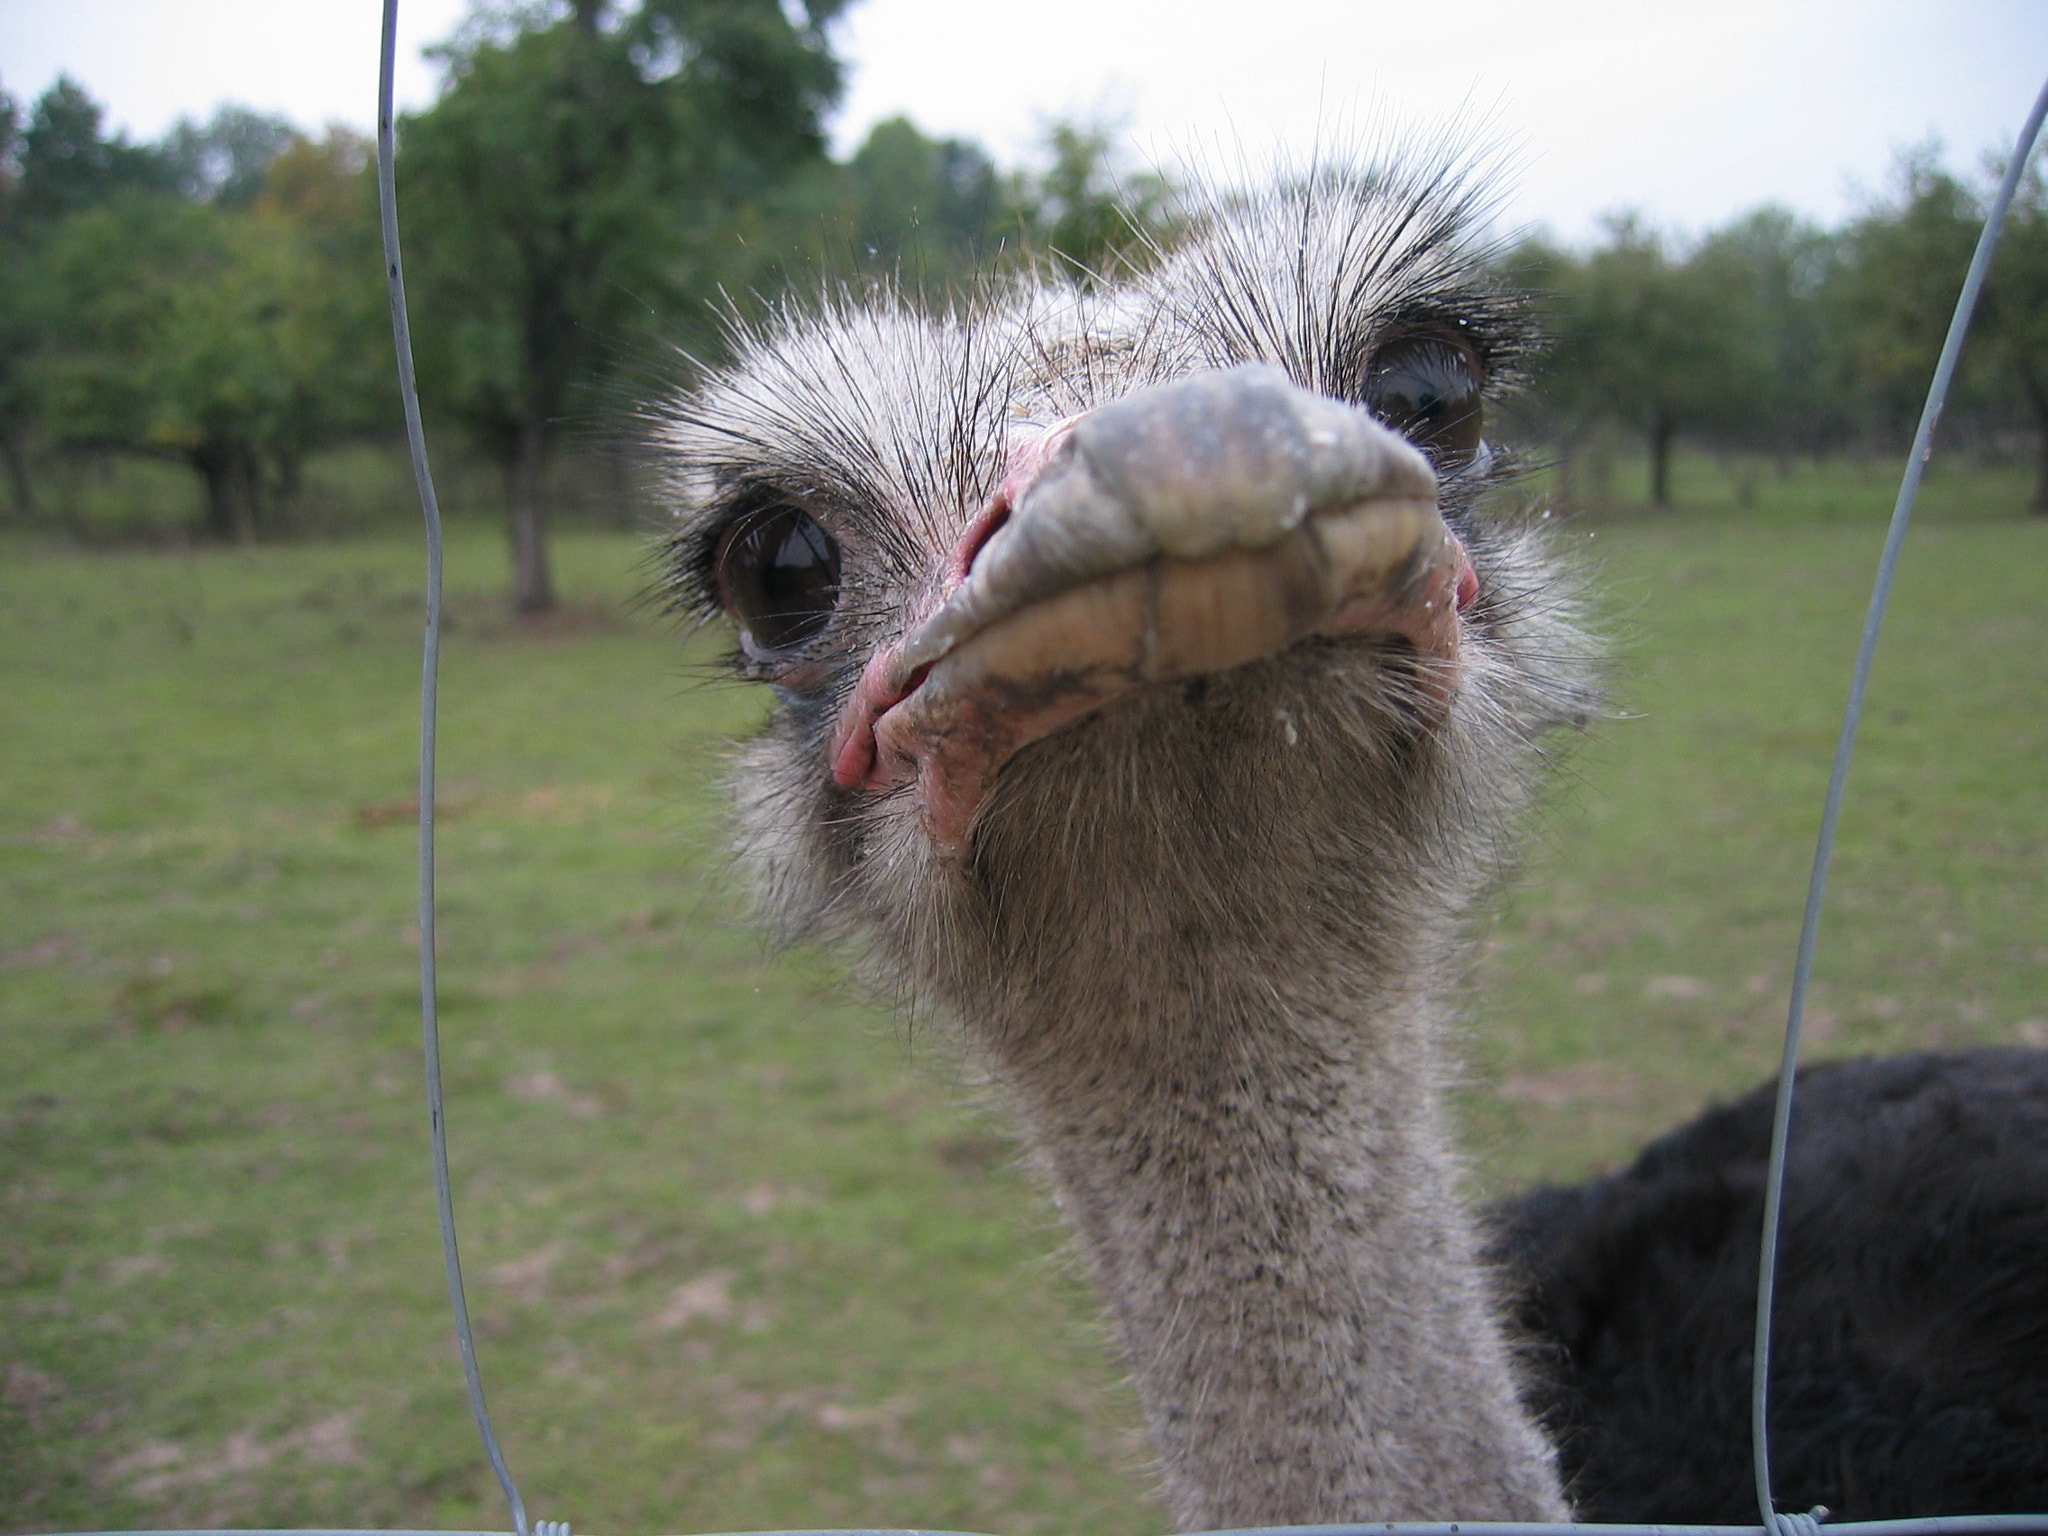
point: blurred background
(1744, 225)
(748, 1252)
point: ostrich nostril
(981, 531)
(1028, 460)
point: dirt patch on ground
(1585, 1082)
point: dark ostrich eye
(778, 576)
(1427, 388)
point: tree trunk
(230, 491)
(1661, 429)
(249, 504)
(2036, 390)
(288, 478)
(533, 588)
(17, 475)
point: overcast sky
(1689, 112)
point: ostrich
(1154, 696)
(1910, 1374)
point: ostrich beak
(1181, 531)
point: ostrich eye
(1427, 388)
(778, 576)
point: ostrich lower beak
(1182, 531)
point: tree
(933, 215)
(928, 210)
(233, 340)
(186, 332)
(1087, 210)
(582, 169)
(1658, 344)
(18, 331)
(324, 184)
(1891, 302)
(226, 160)
(319, 197)
(152, 307)
(1905, 259)
(1774, 269)
(67, 166)
(51, 167)
(2014, 316)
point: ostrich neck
(1265, 1193)
(1200, 938)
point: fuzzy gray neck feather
(1220, 1035)
(1292, 1279)
(1211, 1000)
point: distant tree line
(209, 300)
(603, 187)
(599, 191)
(1774, 335)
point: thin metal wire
(1845, 746)
(430, 673)
(1923, 1525)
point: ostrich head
(1153, 692)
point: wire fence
(1937, 1525)
(1772, 1522)
(1838, 779)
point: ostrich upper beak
(1185, 529)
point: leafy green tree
(1657, 344)
(154, 307)
(1088, 210)
(67, 165)
(204, 336)
(2014, 317)
(1903, 264)
(586, 167)
(934, 215)
(1905, 259)
(56, 165)
(928, 210)
(226, 159)
(1557, 408)
(324, 183)
(11, 147)
(1774, 270)
(319, 196)
(18, 309)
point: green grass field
(744, 1252)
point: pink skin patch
(887, 737)
(881, 687)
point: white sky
(1690, 112)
